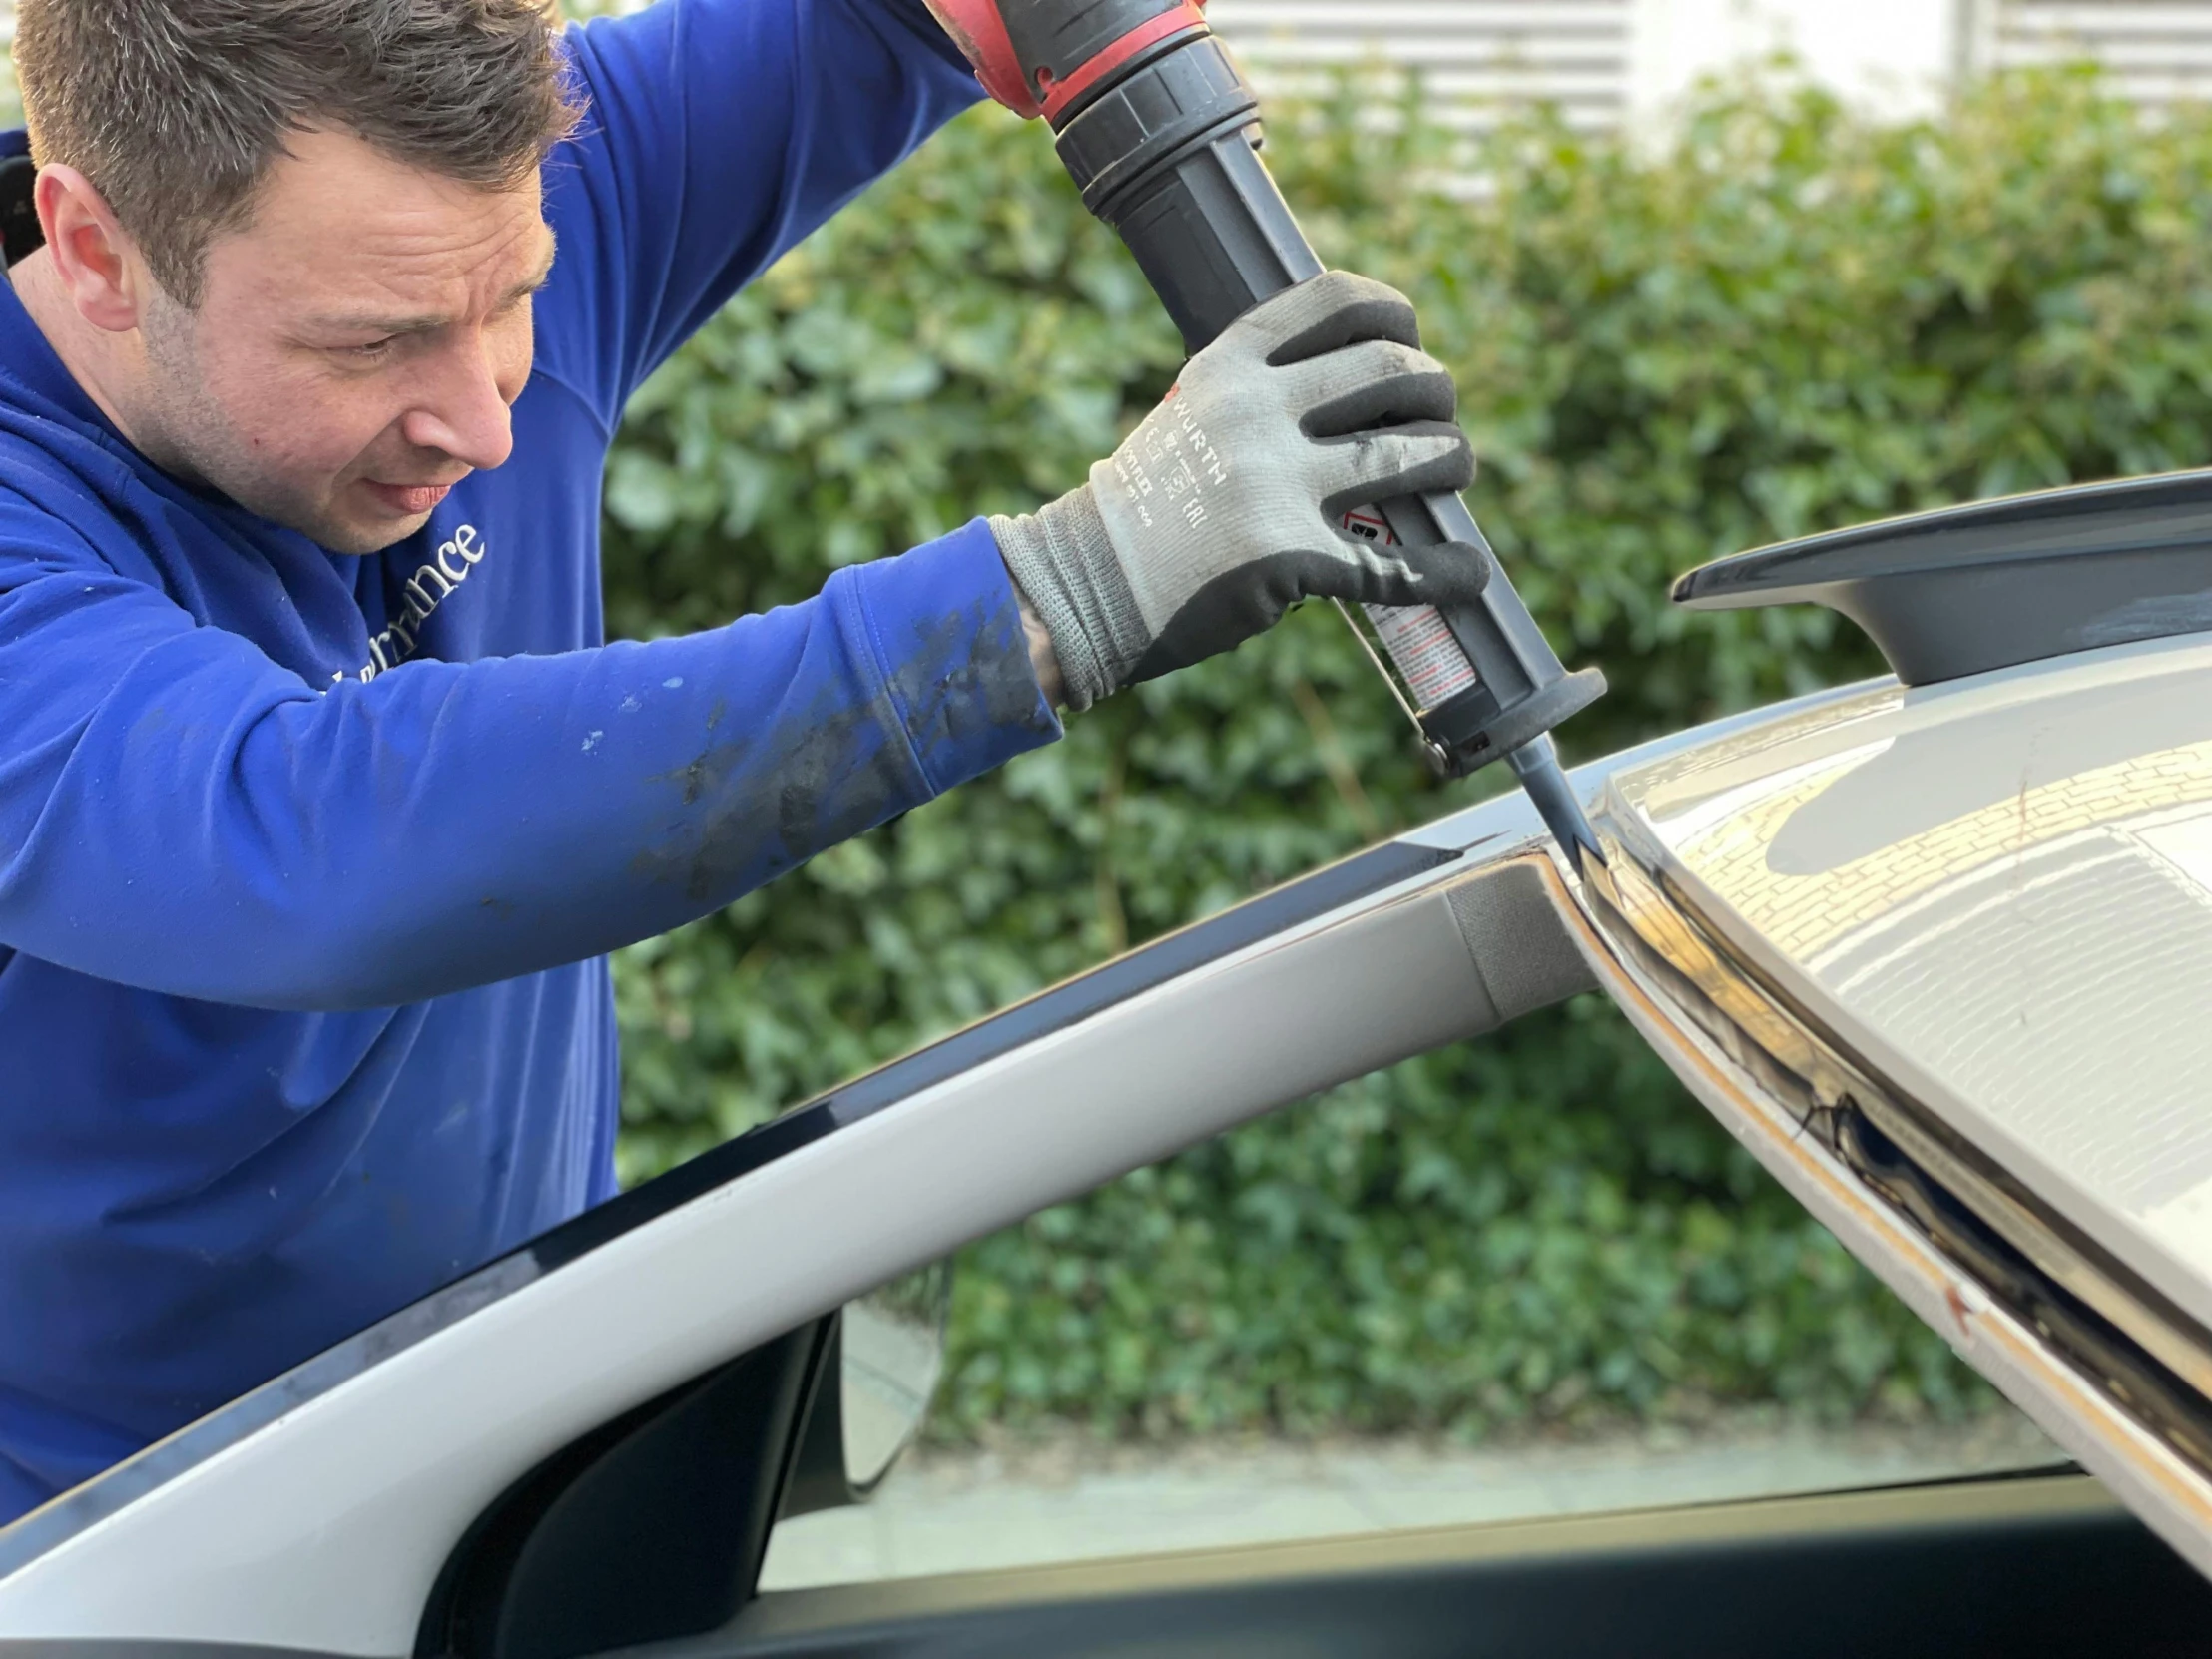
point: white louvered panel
(1473, 17)
(1475, 57)
(2157, 51)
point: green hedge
(1783, 322)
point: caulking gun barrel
(1160, 134)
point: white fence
(1603, 60)
(1606, 61)
(2155, 50)
(1473, 55)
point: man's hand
(1222, 509)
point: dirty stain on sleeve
(809, 775)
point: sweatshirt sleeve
(181, 814)
(717, 134)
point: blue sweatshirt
(308, 862)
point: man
(321, 799)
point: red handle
(979, 28)
(980, 31)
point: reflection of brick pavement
(1805, 913)
(1075, 1500)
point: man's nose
(461, 410)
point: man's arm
(178, 812)
(719, 134)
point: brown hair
(177, 108)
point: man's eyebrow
(364, 322)
(537, 278)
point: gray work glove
(1223, 507)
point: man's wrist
(1065, 566)
(1043, 660)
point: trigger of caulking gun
(1162, 134)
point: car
(1936, 948)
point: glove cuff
(1064, 563)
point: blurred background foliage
(1780, 319)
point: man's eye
(372, 351)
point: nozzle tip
(1537, 765)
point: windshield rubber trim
(1873, 1130)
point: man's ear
(95, 258)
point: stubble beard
(186, 431)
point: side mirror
(879, 1369)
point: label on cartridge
(1418, 640)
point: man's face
(356, 347)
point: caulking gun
(1160, 134)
